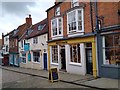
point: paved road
(17, 80)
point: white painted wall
(76, 68)
(42, 39)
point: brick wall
(107, 11)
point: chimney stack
(29, 21)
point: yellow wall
(77, 40)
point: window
(57, 11)
(75, 3)
(36, 56)
(56, 26)
(111, 49)
(23, 58)
(40, 27)
(75, 53)
(35, 40)
(6, 48)
(55, 54)
(22, 44)
(75, 21)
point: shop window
(36, 56)
(75, 21)
(75, 53)
(111, 49)
(55, 54)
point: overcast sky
(14, 12)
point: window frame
(52, 53)
(79, 60)
(38, 57)
(23, 57)
(35, 40)
(57, 11)
(77, 21)
(57, 27)
(74, 3)
(112, 48)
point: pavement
(83, 80)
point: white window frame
(35, 40)
(56, 54)
(23, 57)
(74, 3)
(57, 11)
(76, 63)
(58, 35)
(36, 56)
(82, 20)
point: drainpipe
(97, 34)
(91, 15)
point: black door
(89, 66)
(45, 61)
(63, 61)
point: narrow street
(17, 80)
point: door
(45, 60)
(89, 66)
(63, 61)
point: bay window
(56, 26)
(75, 53)
(111, 49)
(55, 54)
(75, 21)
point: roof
(33, 31)
(53, 6)
(17, 33)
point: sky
(14, 12)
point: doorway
(89, 63)
(63, 60)
(45, 61)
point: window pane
(75, 53)
(55, 54)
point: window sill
(75, 64)
(36, 62)
(57, 36)
(23, 63)
(55, 64)
(110, 66)
(75, 34)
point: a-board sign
(53, 74)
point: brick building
(75, 29)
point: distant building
(33, 46)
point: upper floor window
(74, 3)
(56, 26)
(57, 11)
(35, 40)
(75, 21)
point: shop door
(45, 61)
(89, 66)
(63, 61)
